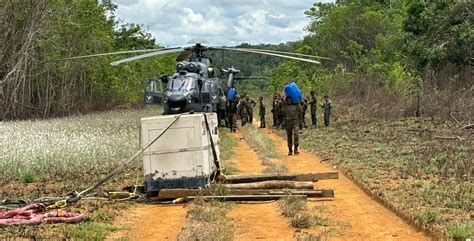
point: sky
(220, 22)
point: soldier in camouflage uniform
(291, 113)
(242, 111)
(221, 110)
(274, 109)
(261, 112)
(313, 104)
(304, 106)
(231, 112)
(249, 105)
(281, 114)
(327, 106)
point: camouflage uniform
(281, 114)
(304, 106)
(242, 111)
(313, 104)
(274, 110)
(291, 126)
(231, 111)
(327, 106)
(221, 111)
(249, 104)
(261, 113)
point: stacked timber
(261, 187)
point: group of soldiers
(278, 114)
(286, 114)
(291, 116)
(241, 108)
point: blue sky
(221, 22)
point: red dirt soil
(259, 220)
(150, 222)
(366, 218)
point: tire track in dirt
(366, 218)
(150, 222)
(260, 220)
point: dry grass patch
(207, 221)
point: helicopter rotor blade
(271, 54)
(110, 53)
(290, 53)
(250, 77)
(142, 56)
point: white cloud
(221, 22)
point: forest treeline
(386, 57)
(387, 53)
(34, 34)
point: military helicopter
(193, 87)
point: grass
(227, 143)
(405, 161)
(265, 149)
(56, 156)
(427, 216)
(460, 230)
(68, 148)
(207, 221)
(295, 208)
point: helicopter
(193, 87)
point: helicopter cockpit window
(184, 83)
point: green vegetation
(34, 35)
(56, 149)
(89, 231)
(265, 149)
(460, 230)
(227, 143)
(408, 162)
(386, 53)
(301, 217)
(207, 221)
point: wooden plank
(245, 197)
(271, 185)
(168, 194)
(289, 177)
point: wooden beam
(289, 177)
(167, 194)
(271, 185)
(245, 197)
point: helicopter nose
(177, 101)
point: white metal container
(184, 151)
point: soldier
(313, 103)
(221, 109)
(291, 112)
(249, 105)
(281, 115)
(274, 109)
(261, 112)
(231, 111)
(327, 106)
(304, 106)
(241, 110)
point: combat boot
(296, 150)
(290, 152)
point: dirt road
(150, 222)
(353, 215)
(260, 220)
(363, 218)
